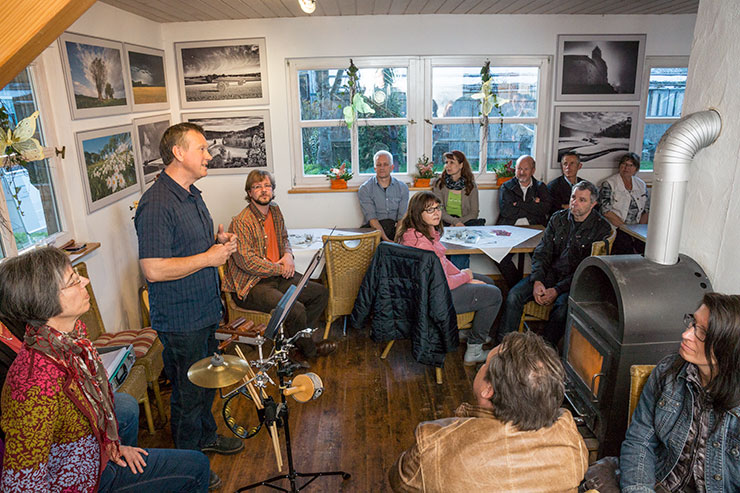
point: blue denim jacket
(658, 433)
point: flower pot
(503, 179)
(338, 184)
(422, 182)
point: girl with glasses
(421, 227)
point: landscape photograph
(148, 84)
(237, 143)
(600, 137)
(97, 75)
(147, 133)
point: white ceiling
(199, 10)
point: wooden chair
(347, 260)
(147, 346)
(534, 312)
(638, 378)
(233, 311)
(464, 321)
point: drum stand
(278, 413)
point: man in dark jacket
(566, 242)
(561, 187)
(522, 200)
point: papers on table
(305, 242)
(494, 241)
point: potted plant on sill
(425, 169)
(504, 172)
(339, 176)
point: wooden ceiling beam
(29, 26)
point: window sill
(486, 186)
(78, 256)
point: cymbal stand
(279, 414)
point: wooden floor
(360, 425)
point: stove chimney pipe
(676, 149)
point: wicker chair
(147, 346)
(534, 312)
(233, 311)
(638, 378)
(347, 260)
(135, 385)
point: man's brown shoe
(324, 348)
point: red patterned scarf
(77, 355)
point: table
(521, 240)
(306, 242)
(638, 231)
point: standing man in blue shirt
(383, 199)
(179, 256)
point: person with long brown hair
(457, 192)
(421, 227)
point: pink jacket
(412, 238)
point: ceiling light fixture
(308, 6)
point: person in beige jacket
(517, 438)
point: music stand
(279, 413)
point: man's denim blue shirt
(173, 222)
(380, 203)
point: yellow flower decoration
(21, 139)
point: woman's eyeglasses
(690, 322)
(432, 210)
(76, 280)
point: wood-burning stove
(622, 310)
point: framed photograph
(107, 163)
(145, 69)
(239, 141)
(222, 73)
(600, 135)
(147, 134)
(94, 73)
(604, 67)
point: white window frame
(43, 102)
(652, 62)
(482, 176)
(294, 65)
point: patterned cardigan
(50, 443)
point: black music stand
(279, 413)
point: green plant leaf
(361, 106)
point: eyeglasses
(260, 187)
(76, 281)
(432, 210)
(690, 322)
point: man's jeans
(167, 470)
(192, 423)
(127, 414)
(312, 300)
(518, 296)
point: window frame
(542, 62)
(294, 65)
(651, 62)
(39, 83)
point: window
(456, 120)
(666, 85)
(404, 91)
(321, 134)
(28, 210)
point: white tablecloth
(306, 242)
(494, 241)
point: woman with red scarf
(57, 406)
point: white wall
(710, 229)
(115, 270)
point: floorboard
(364, 419)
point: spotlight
(308, 6)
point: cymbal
(218, 371)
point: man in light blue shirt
(383, 199)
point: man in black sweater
(561, 187)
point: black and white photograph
(600, 135)
(148, 78)
(94, 73)
(147, 134)
(237, 141)
(222, 73)
(600, 68)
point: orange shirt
(273, 251)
